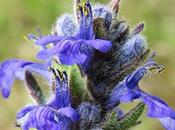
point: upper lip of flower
(80, 45)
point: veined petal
(44, 117)
(15, 68)
(40, 118)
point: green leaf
(125, 122)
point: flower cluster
(93, 63)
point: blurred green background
(20, 17)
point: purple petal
(49, 39)
(63, 46)
(68, 52)
(101, 45)
(66, 59)
(69, 112)
(24, 111)
(130, 96)
(156, 107)
(120, 94)
(168, 123)
(15, 68)
(7, 69)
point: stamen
(85, 9)
(51, 69)
(60, 74)
(76, 3)
(31, 37)
(80, 10)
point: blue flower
(128, 90)
(15, 68)
(57, 115)
(77, 49)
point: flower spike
(93, 65)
